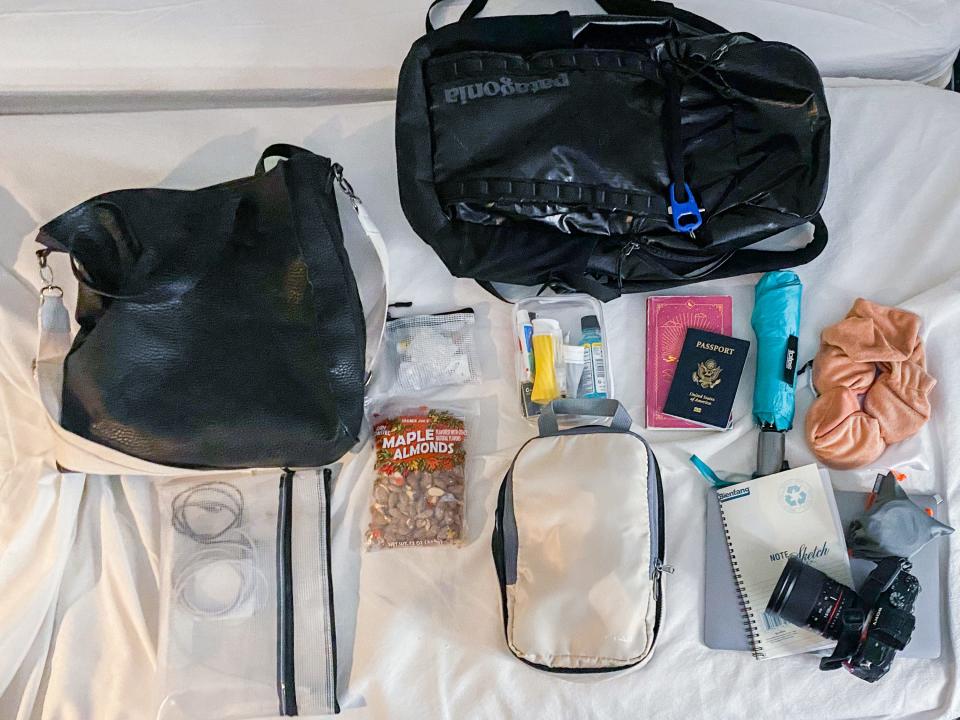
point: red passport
(668, 317)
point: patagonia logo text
(505, 87)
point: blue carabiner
(685, 215)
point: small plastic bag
(421, 468)
(433, 350)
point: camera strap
(883, 576)
(853, 620)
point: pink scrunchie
(875, 352)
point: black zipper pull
(627, 249)
(460, 311)
(404, 304)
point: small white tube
(573, 360)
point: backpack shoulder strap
(472, 10)
(654, 8)
(746, 261)
(733, 263)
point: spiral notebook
(766, 521)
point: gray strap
(599, 407)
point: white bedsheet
(419, 630)
(71, 55)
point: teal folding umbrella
(776, 323)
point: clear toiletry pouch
(429, 351)
(246, 604)
(578, 544)
(575, 372)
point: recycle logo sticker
(794, 495)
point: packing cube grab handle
(598, 407)
(578, 544)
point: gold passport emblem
(708, 374)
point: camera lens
(805, 596)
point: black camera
(869, 627)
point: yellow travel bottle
(545, 386)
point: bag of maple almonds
(421, 470)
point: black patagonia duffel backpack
(633, 151)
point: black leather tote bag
(614, 153)
(219, 327)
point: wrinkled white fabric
(419, 630)
(58, 55)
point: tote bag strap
(373, 234)
(370, 230)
